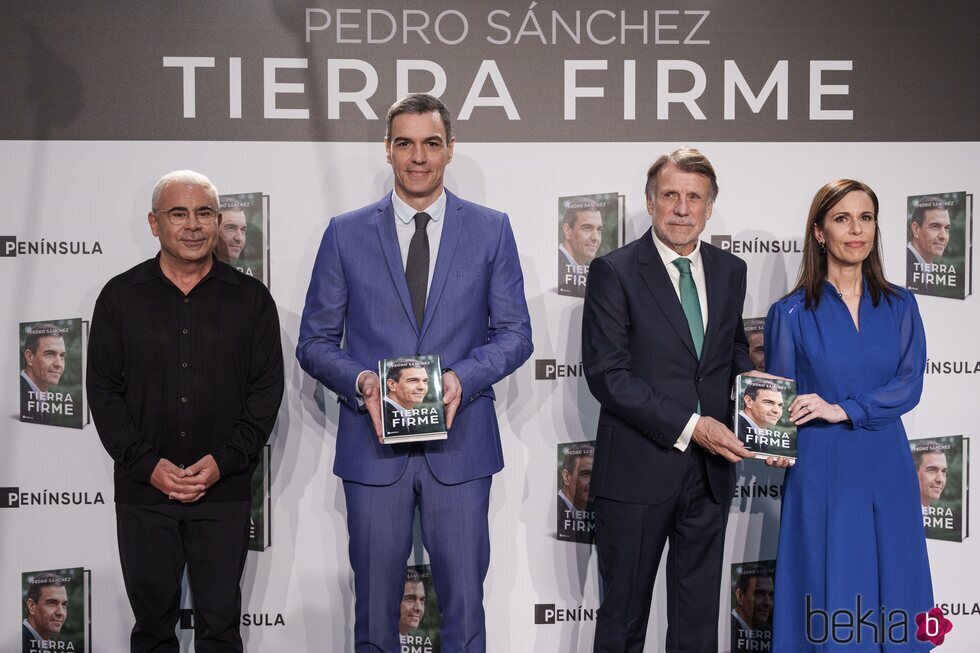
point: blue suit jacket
(475, 319)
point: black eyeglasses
(179, 215)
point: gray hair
(181, 177)
(687, 159)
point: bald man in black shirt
(185, 379)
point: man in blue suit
(662, 340)
(376, 292)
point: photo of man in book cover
(51, 373)
(588, 226)
(242, 242)
(407, 393)
(936, 251)
(576, 516)
(418, 623)
(755, 331)
(939, 464)
(762, 408)
(53, 603)
(752, 600)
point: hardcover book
(939, 253)
(260, 516)
(752, 600)
(51, 358)
(588, 226)
(419, 615)
(762, 416)
(755, 331)
(411, 399)
(56, 610)
(576, 515)
(243, 234)
(943, 465)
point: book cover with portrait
(939, 250)
(56, 607)
(51, 362)
(260, 514)
(419, 616)
(755, 331)
(243, 234)
(752, 587)
(588, 226)
(942, 465)
(576, 515)
(762, 416)
(411, 399)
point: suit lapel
(714, 286)
(384, 221)
(655, 276)
(452, 228)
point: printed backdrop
(550, 100)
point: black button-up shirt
(181, 376)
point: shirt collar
(406, 214)
(669, 256)
(150, 270)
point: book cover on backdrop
(942, 465)
(411, 399)
(419, 615)
(939, 251)
(762, 416)
(588, 226)
(260, 515)
(576, 515)
(752, 600)
(51, 366)
(755, 330)
(56, 610)
(243, 234)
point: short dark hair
(39, 331)
(419, 103)
(395, 371)
(569, 462)
(742, 584)
(928, 203)
(576, 206)
(927, 446)
(687, 159)
(753, 389)
(45, 579)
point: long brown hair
(813, 268)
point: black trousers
(155, 542)
(630, 540)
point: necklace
(846, 295)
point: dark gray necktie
(417, 266)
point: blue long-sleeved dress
(851, 526)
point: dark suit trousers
(155, 542)
(456, 535)
(630, 540)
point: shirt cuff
(685, 437)
(357, 389)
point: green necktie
(690, 303)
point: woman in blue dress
(851, 535)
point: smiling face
(46, 365)
(766, 408)
(931, 237)
(193, 241)
(410, 388)
(848, 230)
(576, 483)
(583, 238)
(754, 604)
(757, 350)
(418, 152)
(412, 606)
(932, 472)
(680, 207)
(48, 614)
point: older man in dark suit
(662, 340)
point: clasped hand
(186, 485)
